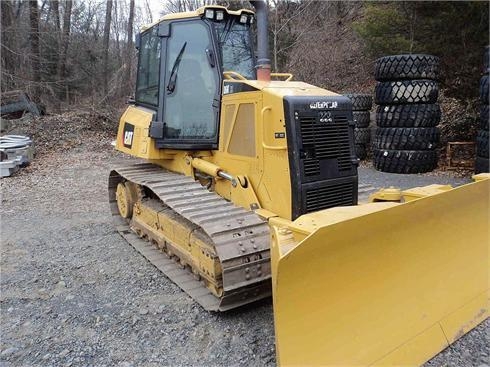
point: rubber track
(362, 135)
(484, 89)
(408, 115)
(361, 118)
(406, 91)
(404, 161)
(482, 143)
(407, 138)
(410, 66)
(360, 102)
(240, 237)
(482, 165)
(484, 117)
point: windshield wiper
(172, 80)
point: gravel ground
(74, 293)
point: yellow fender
(382, 283)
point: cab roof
(196, 13)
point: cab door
(191, 90)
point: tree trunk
(8, 56)
(65, 40)
(129, 49)
(54, 11)
(107, 30)
(55, 8)
(35, 56)
(148, 11)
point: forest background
(66, 54)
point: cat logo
(128, 138)
(128, 135)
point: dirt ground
(73, 293)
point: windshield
(236, 48)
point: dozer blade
(383, 284)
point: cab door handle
(210, 55)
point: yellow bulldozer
(248, 188)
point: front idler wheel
(125, 201)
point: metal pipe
(212, 170)
(225, 175)
(263, 61)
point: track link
(240, 238)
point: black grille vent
(320, 138)
(329, 196)
(324, 140)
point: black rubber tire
(361, 118)
(484, 89)
(482, 165)
(405, 161)
(361, 151)
(407, 91)
(362, 135)
(482, 144)
(360, 102)
(408, 115)
(399, 67)
(407, 138)
(484, 117)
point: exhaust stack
(263, 62)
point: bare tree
(35, 56)
(65, 40)
(54, 6)
(284, 24)
(129, 46)
(7, 52)
(107, 30)
(148, 11)
(177, 6)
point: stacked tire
(482, 153)
(407, 114)
(361, 111)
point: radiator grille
(324, 141)
(329, 196)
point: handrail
(288, 76)
(233, 75)
(264, 145)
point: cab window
(148, 68)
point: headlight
(220, 15)
(209, 13)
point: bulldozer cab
(180, 72)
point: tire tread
(407, 138)
(405, 161)
(406, 91)
(409, 66)
(408, 115)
